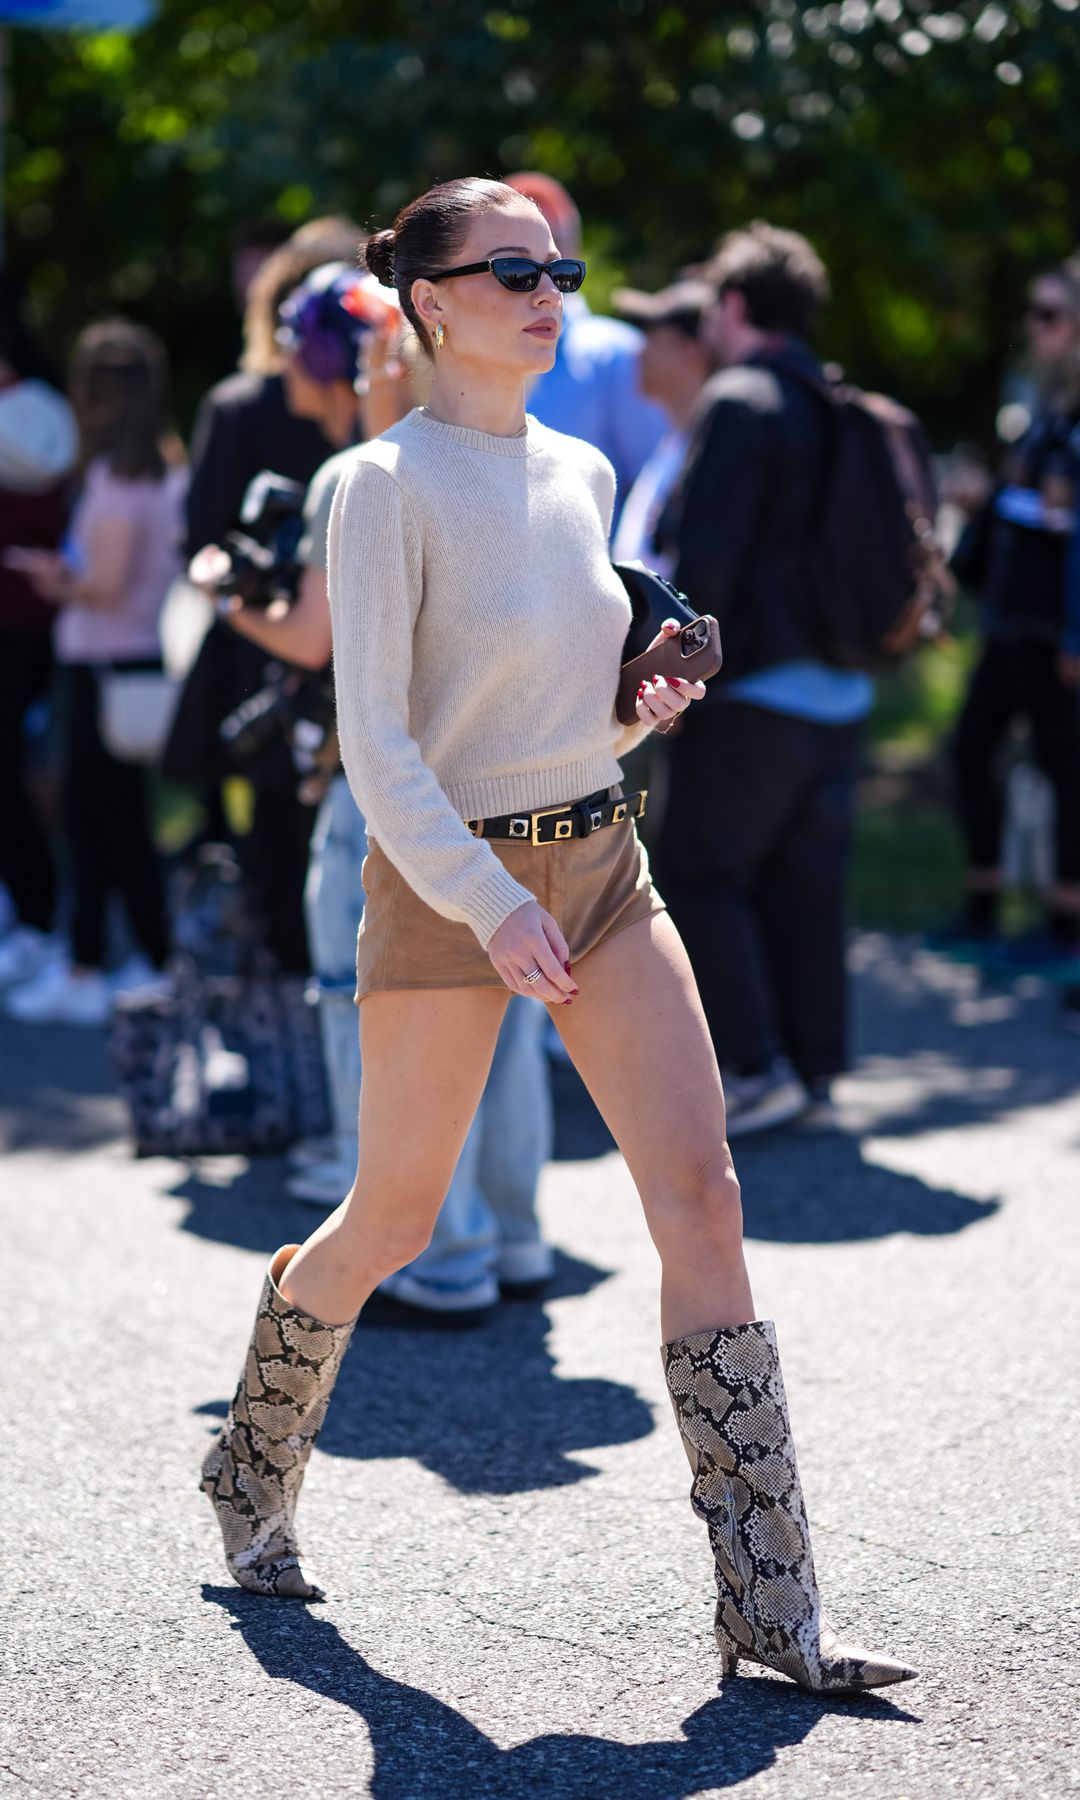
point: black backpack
(872, 580)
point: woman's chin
(541, 354)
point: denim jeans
(492, 1197)
(334, 901)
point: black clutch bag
(695, 654)
(652, 600)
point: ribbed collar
(524, 444)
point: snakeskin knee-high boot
(253, 1471)
(728, 1394)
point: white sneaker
(439, 1297)
(524, 1263)
(24, 952)
(137, 979)
(57, 995)
(758, 1102)
(322, 1184)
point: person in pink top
(110, 579)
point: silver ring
(535, 976)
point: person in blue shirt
(592, 391)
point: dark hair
(427, 234)
(779, 274)
(119, 387)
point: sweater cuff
(493, 901)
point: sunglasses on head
(1042, 314)
(521, 275)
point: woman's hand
(659, 702)
(46, 571)
(530, 939)
(208, 568)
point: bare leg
(638, 1036)
(426, 1057)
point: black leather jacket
(746, 501)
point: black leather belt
(557, 823)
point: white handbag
(135, 712)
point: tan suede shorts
(592, 886)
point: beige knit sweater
(478, 630)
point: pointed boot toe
(282, 1579)
(848, 1669)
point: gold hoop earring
(440, 335)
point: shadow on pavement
(422, 1746)
(57, 1089)
(508, 1423)
(235, 1201)
(799, 1189)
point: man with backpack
(755, 844)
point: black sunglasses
(521, 275)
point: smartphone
(693, 654)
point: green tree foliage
(931, 155)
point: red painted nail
(675, 681)
(566, 966)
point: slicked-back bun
(427, 235)
(379, 256)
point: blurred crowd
(163, 611)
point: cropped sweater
(478, 631)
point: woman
(110, 579)
(246, 424)
(487, 1236)
(1015, 553)
(478, 629)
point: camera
(263, 564)
(293, 705)
(695, 637)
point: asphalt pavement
(519, 1595)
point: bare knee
(398, 1248)
(700, 1213)
(384, 1238)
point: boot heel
(729, 1655)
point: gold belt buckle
(547, 813)
(622, 808)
